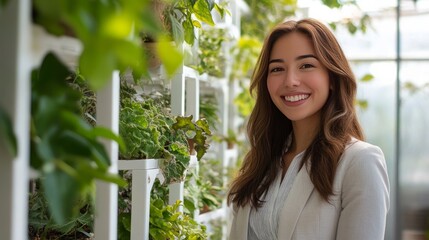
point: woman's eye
(276, 69)
(305, 66)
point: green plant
(65, 149)
(105, 29)
(166, 222)
(182, 17)
(245, 52)
(207, 194)
(7, 136)
(43, 226)
(3, 3)
(209, 110)
(264, 14)
(147, 129)
(211, 57)
(196, 132)
(363, 103)
(230, 138)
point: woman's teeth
(296, 97)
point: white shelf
(208, 216)
(140, 164)
(68, 49)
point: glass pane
(378, 118)
(414, 32)
(379, 42)
(414, 157)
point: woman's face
(297, 81)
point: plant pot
(153, 60)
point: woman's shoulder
(358, 151)
(362, 162)
(356, 146)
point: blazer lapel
(295, 202)
(240, 223)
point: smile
(296, 98)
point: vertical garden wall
(95, 113)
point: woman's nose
(291, 79)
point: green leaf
(125, 218)
(363, 104)
(366, 78)
(189, 204)
(7, 134)
(51, 76)
(188, 27)
(177, 30)
(204, 125)
(97, 63)
(332, 3)
(183, 122)
(75, 143)
(202, 12)
(3, 3)
(220, 10)
(196, 23)
(90, 172)
(61, 192)
(107, 133)
(170, 56)
(351, 27)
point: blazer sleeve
(364, 196)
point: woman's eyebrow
(305, 56)
(276, 60)
(297, 58)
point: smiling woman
(297, 82)
(308, 174)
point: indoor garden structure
(125, 119)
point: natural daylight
(214, 119)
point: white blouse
(263, 222)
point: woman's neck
(303, 135)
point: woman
(309, 174)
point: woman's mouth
(296, 98)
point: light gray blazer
(357, 211)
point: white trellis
(22, 47)
(15, 100)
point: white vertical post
(15, 67)
(142, 183)
(178, 93)
(177, 108)
(192, 97)
(106, 201)
(175, 192)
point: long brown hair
(268, 129)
